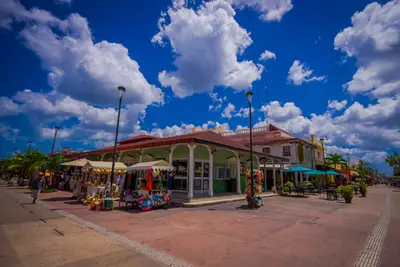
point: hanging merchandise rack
(148, 185)
(258, 177)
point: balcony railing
(246, 131)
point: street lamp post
(56, 128)
(323, 155)
(29, 145)
(121, 91)
(249, 96)
(349, 166)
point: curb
(221, 201)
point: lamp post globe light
(249, 96)
(56, 129)
(323, 155)
(121, 91)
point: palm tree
(394, 161)
(336, 160)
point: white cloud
(217, 102)
(8, 107)
(244, 112)
(43, 108)
(9, 134)
(334, 104)
(77, 66)
(267, 55)
(279, 113)
(384, 113)
(375, 157)
(206, 43)
(63, 1)
(374, 127)
(48, 133)
(373, 39)
(299, 73)
(229, 109)
(271, 10)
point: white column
(258, 163)
(265, 177)
(119, 156)
(281, 172)
(141, 155)
(191, 170)
(238, 187)
(274, 173)
(102, 157)
(171, 154)
(306, 178)
(211, 172)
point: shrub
(287, 187)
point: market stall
(99, 177)
(148, 185)
(73, 176)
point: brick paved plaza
(285, 232)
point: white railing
(246, 131)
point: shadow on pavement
(55, 199)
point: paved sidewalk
(32, 235)
(285, 232)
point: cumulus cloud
(44, 108)
(48, 133)
(375, 157)
(279, 113)
(229, 109)
(371, 127)
(267, 55)
(299, 73)
(9, 134)
(271, 10)
(217, 102)
(78, 66)
(8, 107)
(374, 40)
(206, 42)
(244, 112)
(334, 104)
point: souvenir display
(147, 185)
(257, 176)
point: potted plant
(287, 187)
(347, 192)
(362, 186)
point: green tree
(336, 160)
(394, 161)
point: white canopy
(78, 163)
(104, 165)
(155, 165)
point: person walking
(37, 187)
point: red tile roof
(138, 138)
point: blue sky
(329, 70)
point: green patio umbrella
(298, 169)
